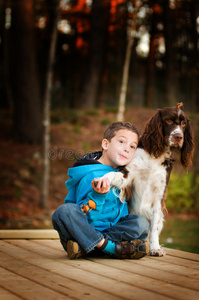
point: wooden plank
(177, 261)
(160, 284)
(182, 254)
(25, 288)
(158, 265)
(55, 263)
(166, 276)
(44, 263)
(55, 244)
(29, 234)
(172, 268)
(69, 288)
(130, 277)
(158, 275)
(6, 295)
(98, 282)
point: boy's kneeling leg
(72, 224)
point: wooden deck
(38, 268)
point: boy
(93, 217)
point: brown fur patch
(128, 193)
(124, 171)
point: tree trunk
(5, 92)
(122, 98)
(171, 74)
(26, 94)
(130, 41)
(46, 116)
(148, 101)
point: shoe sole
(73, 250)
(143, 250)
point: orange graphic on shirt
(87, 208)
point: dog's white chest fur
(148, 177)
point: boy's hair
(111, 130)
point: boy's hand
(101, 186)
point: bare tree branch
(46, 116)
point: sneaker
(73, 249)
(134, 249)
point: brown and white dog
(148, 173)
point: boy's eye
(121, 142)
(183, 123)
(133, 147)
(169, 121)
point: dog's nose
(178, 137)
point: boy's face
(120, 150)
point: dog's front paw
(96, 180)
(157, 252)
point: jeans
(71, 223)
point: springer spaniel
(148, 173)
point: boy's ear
(105, 143)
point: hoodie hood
(88, 159)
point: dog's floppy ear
(152, 138)
(188, 146)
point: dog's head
(169, 128)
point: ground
(73, 133)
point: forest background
(65, 66)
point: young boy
(93, 217)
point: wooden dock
(33, 265)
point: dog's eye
(183, 123)
(169, 121)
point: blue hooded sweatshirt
(102, 210)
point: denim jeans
(71, 223)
